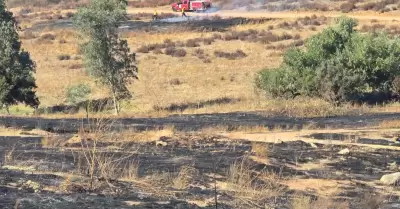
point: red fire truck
(188, 5)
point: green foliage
(339, 64)
(17, 82)
(78, 93)
(107, 58)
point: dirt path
(363, 137)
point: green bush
(339, 64)
(78, 93)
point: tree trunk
(87, 111)
(116, 105)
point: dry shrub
(131, 170)
(75, 66)
(216, 36)
(378, 6)
(279, 47)
(69, 15)
(285, 36)
(192, 43)
(199, 53)
(110, 166)
(150, 47)
(284, 24)
(175, 82)
(298, 43)
(372, 201)
(172, 51)
(63, 57)
(206, 60)
(25, 11)
(62, 4)
(347, 7)
(179, 53)
(157, 51)
(314, 6)
(396, 85)
(231, 56)
(312, 20)
(372, 28)
(46, 38)
(184, 177)
(143, 49)
(169, 43)
(231, 36)
(306, 202)
(28, 35)
(389, 124)
(208, 41)
(51, 141)
(252, 187)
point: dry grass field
(198, 133)
(200, 81)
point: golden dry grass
(260, 149)
(199, 82)
(307, 202)
(389, 124)
(4, 131)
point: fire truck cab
(188, 5)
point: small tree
(17, 82)
(79, 93)
(107, 58)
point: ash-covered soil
(191, 170)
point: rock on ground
(391, 179)
(344, 152)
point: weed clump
(63, 57)
(347, 7)
(48, 36)
(192, 43)
(231, 56)
(172, 51)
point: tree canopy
(17, 81)
(339, 64)
(107, 58)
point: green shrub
(339, 64)
(78, 93)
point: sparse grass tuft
(230, 55)
(307, 202)
(249, 186)
(63, 57)
(389, 124)
(184, 177)
(260, 149)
